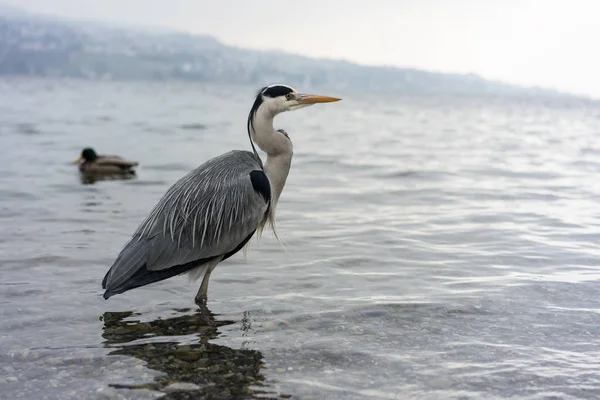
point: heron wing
(211, 212)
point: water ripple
(434, 248)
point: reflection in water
(194, 370)
(90, 178)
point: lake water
(435, 247)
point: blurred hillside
(40, 45)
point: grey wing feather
(207, 213)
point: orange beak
(314, 99)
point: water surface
(435, 247)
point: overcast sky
(554, 43)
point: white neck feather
(279, 151)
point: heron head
(87, 154)
(272, 100)
(279, 98)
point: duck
(91, 163)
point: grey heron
(211, 213)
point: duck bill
(315, 98)
(80, 159)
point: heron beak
(314, 99)
(78, 160)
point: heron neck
(277, 168)
(279, 151)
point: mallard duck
(99, 164)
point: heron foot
(206, 316)
(201, 300)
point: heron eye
(288, 96)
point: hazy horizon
(527, 42)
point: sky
(550, 43)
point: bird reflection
(91, 178)
(213, 371)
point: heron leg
(202, 295)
